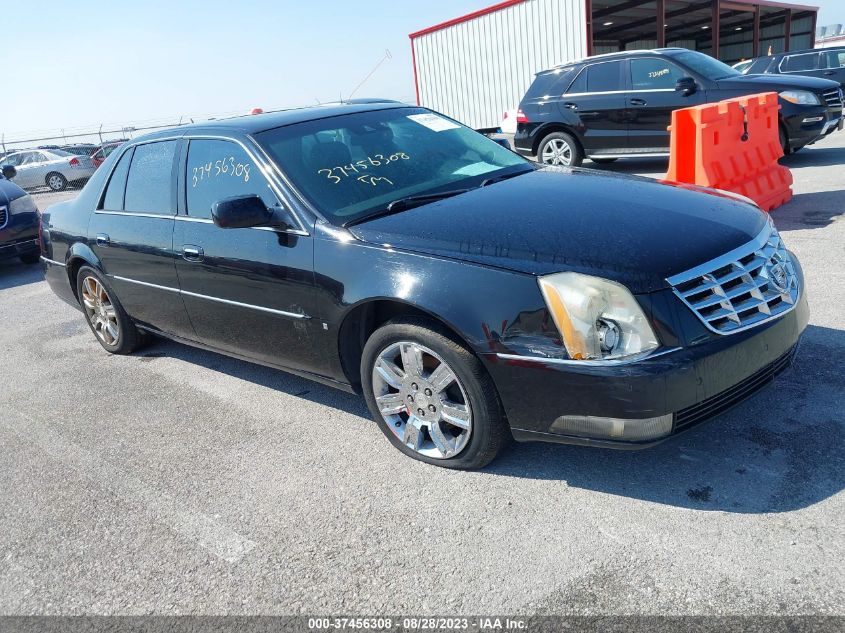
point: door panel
(597, 98)
(132, 234)
(249, 291)
(652, 99)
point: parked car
(509, 120)
(468, 293)
(18, 221)
(620, 105)
(80, 149)
(54, 168)
(826, 63)
(103, 152)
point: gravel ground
(181, 481)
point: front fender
(490, 309)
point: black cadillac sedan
(468, 294)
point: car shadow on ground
(809, 210)
(814, 157)
(782, 450)
(15, 273)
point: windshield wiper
(408, 202)
(490, 181)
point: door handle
(638, 102)
(829, 72)
(192, 253)
(570, 106)
(103, 240)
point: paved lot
(180, 481)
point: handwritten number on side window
(226, 166)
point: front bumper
(807, 124)
(690, 384)
(19, 236)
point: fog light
(626, 429)
(813, 119)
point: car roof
(616, 55)
(254, 123)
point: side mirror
(503, 142)
(241, 212)
(9, 172)
(686, 86)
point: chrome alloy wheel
(55, 182)
(422, 400)
(557, 152)
(100, 311)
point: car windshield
(705, 65)
(353, 166)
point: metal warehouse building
(476, 66)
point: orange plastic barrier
(732, 145)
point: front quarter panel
(492, 310)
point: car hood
(9, 191)
(633, 230)
(777, 83)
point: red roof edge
(465, 18)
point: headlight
(597, 318)
(24, 204)
(800, 97)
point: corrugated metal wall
(475, 70)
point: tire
(31, 258)
(466, 396)
(56, 181)
(604, 161)
(108, 308)
(560, 149)
(784, 141)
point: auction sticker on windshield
(433, 122)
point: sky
(69, 65)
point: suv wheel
(560, 149)
(431, 396)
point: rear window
(113, 200)
(549, 84)
(149, 186)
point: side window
(14, 160)
(833, 59)
(604, 77)
(149, 186)
(580, 83)
(798, 63)
(652, 73)
(113, 200)
(218, 169)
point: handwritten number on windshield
(339, 173)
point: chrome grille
(743, 288)
(4, 216)
(833, 98)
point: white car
(508, 124)
(53, 168)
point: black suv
(826, 63)
(620, 105)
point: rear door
(652, 99)
(248, 291)
(132, 234)
(597, 97)
(833, 65)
